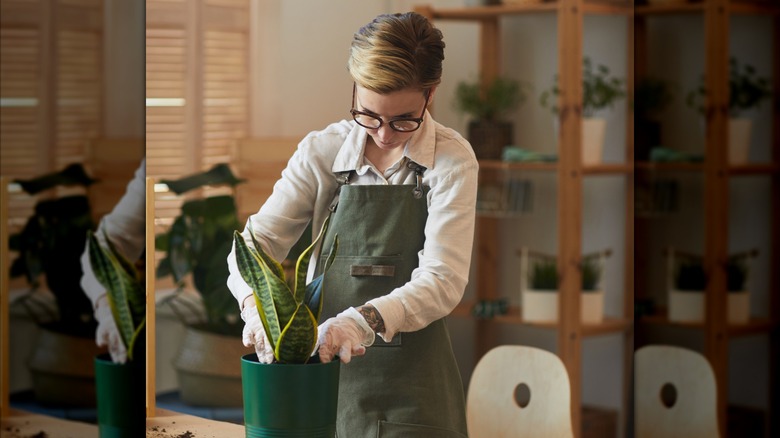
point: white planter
(739, 140)
(593, 131)
(688, 306)
(542, 306)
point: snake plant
(289, 315)
(126, 294)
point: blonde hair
(397, 51)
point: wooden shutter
(197, 88)
(50, 88)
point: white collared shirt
(308, 185)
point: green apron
(410, 387)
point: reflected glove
(347, 334)
(254, 333)
(107, 333)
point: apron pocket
(388, 429)
(353, 280)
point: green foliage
(599, 89)
(544, 273)
(651, 96)
(746, 89)
(198, 243)
(501, 96)
(51, 244)
(125, 290)
(289, 315)
(690, 276)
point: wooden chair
(260, 161)
(674, 393)
(518, 391)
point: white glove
(347, 334)
(254, 334)
(107, 333)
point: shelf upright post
(716, 202)
(570, 30)
(774, 280)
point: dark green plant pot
(282, 400)
(121, 398)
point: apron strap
(342, 178)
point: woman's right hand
(254, 334)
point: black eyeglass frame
(390, 122)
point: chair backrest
(674, 393)
(260, 161)
(518, 391)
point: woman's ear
(431, 93)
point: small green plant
(492, 103)
(125, 291)
(691, 276)
(289, 315)
(746, 89)
(651, 96)
(544, 274)
(599, 89)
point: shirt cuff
(393, 314)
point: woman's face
(404, 104)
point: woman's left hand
(346, 335)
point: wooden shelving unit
(716, 174)
(569, 171)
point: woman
(401, 192)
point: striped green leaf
(120, 286)
(298, 338)
(275, 266)
(302, 266)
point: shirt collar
(420, 148)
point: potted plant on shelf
(121, 388)
(50, 246)
(687, 281)
(488, 105)
(196, 248)
(651, 97)
(746, 92)
(290, 318)
(600, 90)
(539, 287)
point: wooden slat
(151, 264)
(570, 26)
(5, 316)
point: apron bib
(410, 387)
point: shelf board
(589, 169)
(680, 166)
(739, 169)
(519, 165)
(512, 317)
(492, 12)
(737, 7)
(754, 169)
(754, 326)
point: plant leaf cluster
(600, 89)
(544, 273)
(289, 315)
(125, 291)
(746, 89)
(198, 243)
(51, 244)
(501, 96)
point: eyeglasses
(401, 124)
